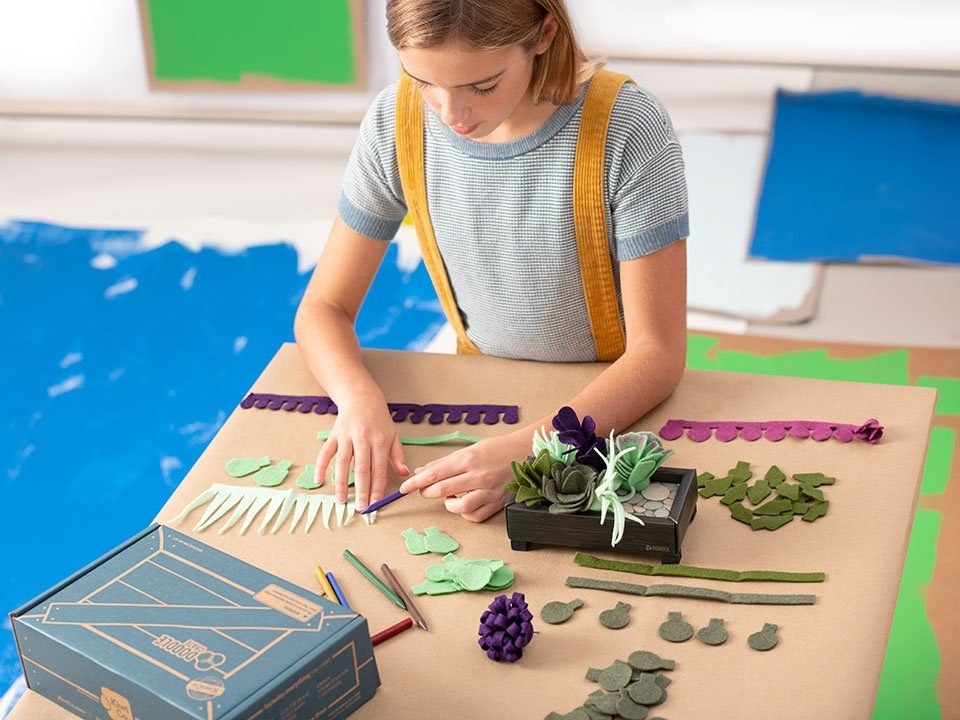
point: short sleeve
(371, 197)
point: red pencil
(404, 624)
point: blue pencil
(383, 501)
(337, 590)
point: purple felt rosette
(506, 628)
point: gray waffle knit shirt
(503, 215)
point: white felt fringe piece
(247, 502)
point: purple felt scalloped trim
(871, 431)
(435, 413)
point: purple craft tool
(383, 501)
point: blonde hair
(493, 25)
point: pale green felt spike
(369, 517)
(257, 505)
(415, 542)
(195, 503)
(351, 509)
(238, 467)
(306, 479)
(284, 513)
(473, 577)
(341, 508)
(272, 475)
(273, 507)
(228, 504)
(328, 503)
(300, 505)
(242, 507)
(314, 503)
(222, 496)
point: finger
(361, 474)
(397, 460)
(478, 505)
(378, 476)
(342, 472)
(324, 456)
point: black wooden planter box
(657, 536)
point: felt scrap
(817, 510)
(758, 492)
(617, 617)
(714, 633)
(605, 702)
(716, 486)
(815, 479)
(703, 573)
(272, 475)
(741, 512)
(765, 639)
(674, 629)
(556, 612)
(789, 491)
(455, 574)
(631, 710)
(305, 479)
(615, 676)
(870, 431)
(415, 542)
(703, 477)
(239, 467)
(770, 522)
(439, 542)
(647, 691)
(735, 494)
(774, 476)
(435, 413)
(775, 507)
(741, 473)
(647, 661)
(689, 591)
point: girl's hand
(367, 438)
(471, 480)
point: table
(830, 654)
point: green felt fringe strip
(703, 573)
(445, 439)
(699, 593)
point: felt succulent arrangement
(573, 470)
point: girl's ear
(548, 31)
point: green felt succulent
(529, 478)
(570, 488)
(639, 455)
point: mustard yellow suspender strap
(589, 216)
(596, 268)
(409, 133)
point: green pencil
(377, 582)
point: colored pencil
(404, 624)
(338, 591)
(401, 591)
(381, 502)
(325, 584)
(377, 582)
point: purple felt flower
(590, 450)
(506, 628)
(871, 431)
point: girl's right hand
(365, 437)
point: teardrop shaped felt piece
(239, 467)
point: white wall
(86, 56)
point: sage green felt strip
(698, 593)
(703, 573)
(445, 439)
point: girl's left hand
(471, 480)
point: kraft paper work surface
(829, 658)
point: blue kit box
(165, 627)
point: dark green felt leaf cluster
(569, 488)
(529, 477)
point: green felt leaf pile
(774, 501)
(628, 689)
(455, 574)
(569, 488)
(529, 477)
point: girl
(551, 207)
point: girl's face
(481, 94)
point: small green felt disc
(557, 612)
